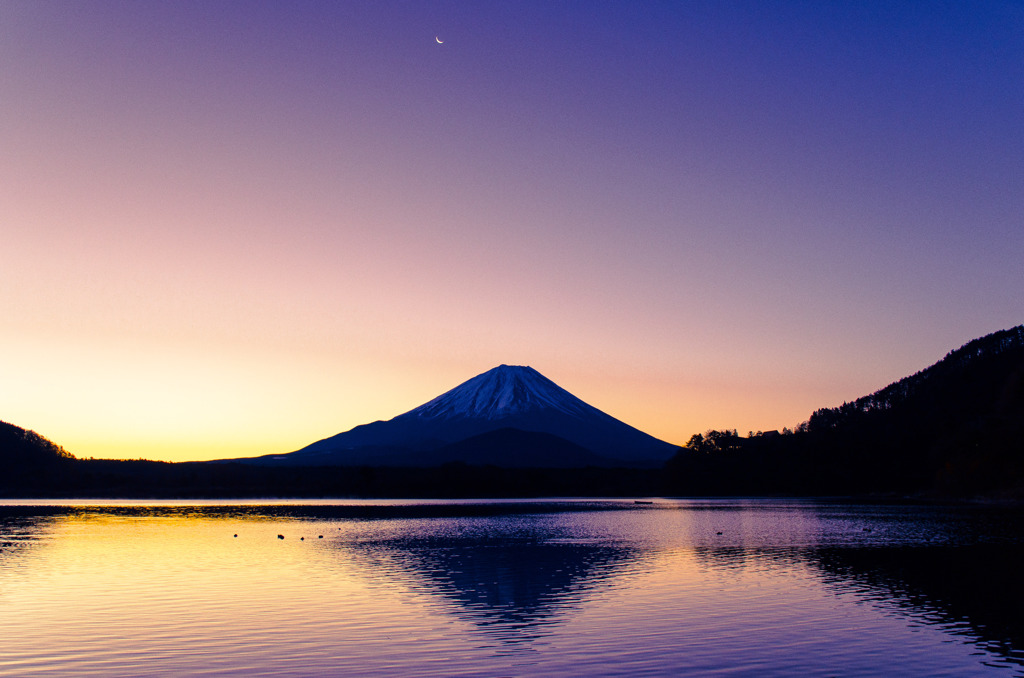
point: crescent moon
(439, 40)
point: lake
(509, 588)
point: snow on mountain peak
(501, 392)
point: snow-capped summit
(506, 398)
(501, 392)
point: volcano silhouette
(508, 416)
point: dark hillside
(29, 461)
(953, 429)
(22, 448)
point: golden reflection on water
(102, 586)
(683, 589)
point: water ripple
(484, 589)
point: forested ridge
(955, 428)
(21, 448)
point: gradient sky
(235, 228)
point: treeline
(25, 454)
(953, 429)
(139, 479)
(21, 447)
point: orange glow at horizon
(181, 405)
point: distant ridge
(505, 397)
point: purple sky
(238, 227)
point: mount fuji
(509, 416)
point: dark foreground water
(571, 588)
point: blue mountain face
(506, 397)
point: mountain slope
(20, 448)
(506, 397)
(503, 392)
(31, 465)
(515, 448)
(955, 428)
(982, 378)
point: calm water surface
(595, 588)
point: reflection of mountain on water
(976, 591)
(972, 590)
(511, 586)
